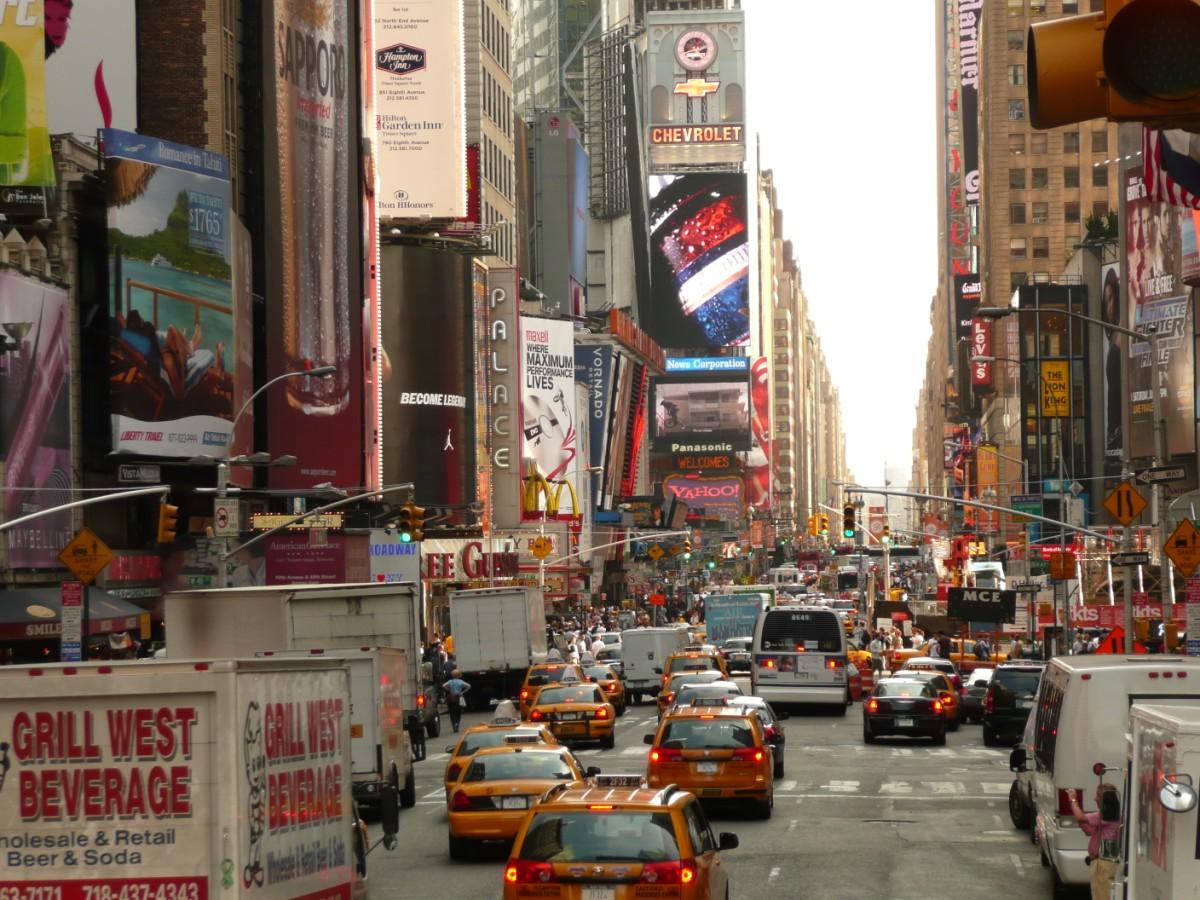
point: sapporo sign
(982, 605)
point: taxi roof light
(519, 738)
(618, 781)
(504, 720)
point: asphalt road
(900, 819)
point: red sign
(626, 332)
(1113, 616)
(71, 593)
(981, 345)
(719, 498)
(136, 567)
(658, 599)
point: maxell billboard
(550, 438)
(421, 159)
(504, 385)
(696, 88)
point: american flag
(1172, 167)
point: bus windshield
(807, 630)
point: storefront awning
(36, 614)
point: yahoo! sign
(711, 498)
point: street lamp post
(223, 465)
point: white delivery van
(178, 779)
(643, 652)
(1161, 856)
(498, 634)
(1082, 716)
(380, 750)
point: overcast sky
(843, 98)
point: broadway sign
(982, 605)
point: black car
(1009, 700)
(901, 706)
(736, 652)
(975, 687)
(772, 724)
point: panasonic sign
(701, 448)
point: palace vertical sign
(503, 388)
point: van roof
(1185, 719)
(1105, 662)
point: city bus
(799, 657)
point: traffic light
(887, 535)
(849, 526)
(824, 524)
(812, 525)
(711, 563)
(410, 522)
(1133, 62)
(687, 549)
(168, 516)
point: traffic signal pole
(161, 490)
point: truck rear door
(364, 716)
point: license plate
(514, 802)
(568, 717)
(904, 723)
(1024, 704)
(572, 729)
(591, 892)
(707, 768)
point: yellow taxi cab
(490, 734)
(692, 661)
(951, 701)
(610, 682)
(500, 785)
(897, 657)
(575, 710)
(542, 674)
(674, 682)
(716, 752)
(619, 840)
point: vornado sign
(504, 415)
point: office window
(1016, 75)
(1041, 277)
(1037, 7)
(1016, 179)
(1071, 211)
(1041, 213)
(1071, 176)
(1016, 110)
(1016, 7)
(1016, 279)
(1016, 214)
(1016, 40)
(1016, 144)
(1041, 177)
(1070, 142)
(1096, 6)
(1100, 208)
(1038, 142)
(1070, 7)
(1016, 248)
(1100, 141)
(1100, 176)
(1041, 248)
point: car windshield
(682, 678)
(611, 638)
(1018, 683)
(708, 734)
(904, 689)
(609, 653)
(691, 692)
(481, 740)
(809, 630)
(519, 765)
(582, 693)
(683, 663)
(937, 679)
(547, 676)
(737, 644)
(604, 673)
(590, 837)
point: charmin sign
(504, 409)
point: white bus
(800, 657)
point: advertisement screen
(313, 287)
(707, 410)
(35, 422)
(91, 84)
(1114, 369)
(1157, 301)
(172, 344)
(758, 457)
(428, 384)
(708, 498)
(699, 262)
(26, 166)
(549, 433)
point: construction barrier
(868, 681)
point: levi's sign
(982, 605)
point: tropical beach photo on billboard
(171, 300)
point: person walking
(1099, 832)
(455, 689)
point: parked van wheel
(1017, 810)
(408, 796)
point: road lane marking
(841, 787)
(635, 751)
(895, 787)
(436, 757)
(591, 752)
(902, 751)
(945, 787)
(1016, 861)
(787, 785)
(792, 825)
(773, 875)
(440, 793)
(995, 787)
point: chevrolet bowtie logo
(697, 87)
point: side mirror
(727, 840)
(389, 815)
(648, 739)
(450, 749)
(658, 670)
(1176, 796)
(591, 771)
(1016, 760)
(783, 714)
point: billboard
(549, 444)
(91, 84)
(1158, 301)
(421, 155)
(504, 406)
(1114, 368)
(595, 368)
(758, 457)
(987, 479)
(561, 203)
(26, 165)
(35, 419)
(707, 364)
(314, 294)
(970, 44)
(428, 384)
(173, 338)
(718, 497)
(1055, 388)
(699, 261)
(695, 88)
(704, 411)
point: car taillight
(769, 732)
(420, 700)
(524, 871)
(453, 772)
(835, 662)
(937, 705)
(989, 702)
(536, 715)
(748, 754)
(669, 698)
(666, 754)
(602, 713)
(957, 679)
(524, 694)
(872, 705)
(675, 871)
(947, 699)
(460, 801)
(1064, 801)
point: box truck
(643, 652)
(180, 779)
(243, 621)
(498, 634)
